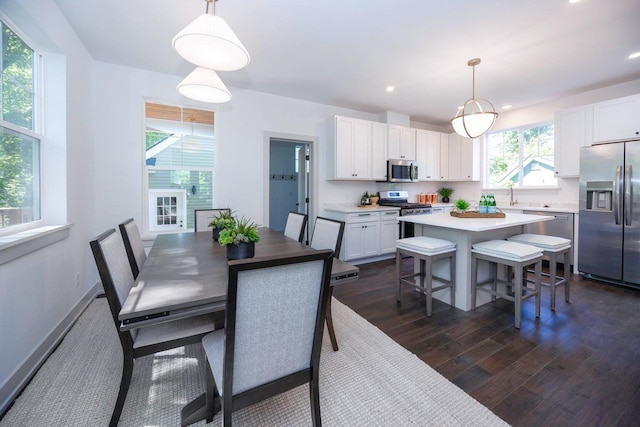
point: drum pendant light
(209, 42)
(472, 119)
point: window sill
(16, 245)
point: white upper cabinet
(352, 151)
(379, 151)
(444, 157)
(616, 119)
(428, 154)
(570, 134)
(402, 142)
(463, 158)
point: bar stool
(428, 250)
(513, 255)
(555, 249)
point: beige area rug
(370, 381)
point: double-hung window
(520, 157)
(20, 142)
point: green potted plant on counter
(462, 205)
(223, 220)
(240, 239)
(445, 193)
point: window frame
(36, 132)
(520, 129)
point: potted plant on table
(240, 239)
(462, 205)
(445, 193)
(223, 220)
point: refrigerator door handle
(627, 195)
(617, 199)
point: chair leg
(398, 274)
(329, 320)
(314, 391)
(127, 371)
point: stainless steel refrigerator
(609, 222)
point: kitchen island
(464, 232)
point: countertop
(542, 208)
(475, 224)
(354, 208)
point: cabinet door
(428, 155)
(444, 157)
(455, 151)
(402, 142)
(353, 149)
(389, 232)
(569, 135)
(362, 150)
(379, 151)
(616, 119)
(362, 240)
(463, 158)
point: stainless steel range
(399, 199)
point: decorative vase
(216, 234)
(241, 250)
(374, 200)
(445, 200)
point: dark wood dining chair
(294, 229)
(327, 234)
(117, 280)
(133, 245)
(202, 217)
(248, 365)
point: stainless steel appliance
(609, 226)
(399, 199)
(402, 171)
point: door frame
(313, 170)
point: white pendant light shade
(204, 85)
(472, 119)
(209, 42)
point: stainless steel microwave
(402, 171)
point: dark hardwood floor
(579, 366)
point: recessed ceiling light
(507, 106)
(390, 88)
(634, 55)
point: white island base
(464, 232)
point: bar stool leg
(552, 279)
(538, 286)
(474, 280)
(517, 290)
(493, 268)
(427, 281)
(452, 276)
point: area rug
(370, 381)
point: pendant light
(472, 119)
(203, 84)
(209, 42)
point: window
(19, 142)
(179, 158)
(521, 157)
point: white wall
(38, 292)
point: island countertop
(475, 224)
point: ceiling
(346, 52)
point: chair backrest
(259, 293)
(327, 234)
(295, 226)
(202, 217)
(133, 245)
(115, 273)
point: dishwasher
(561, 226)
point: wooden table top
(188, 271)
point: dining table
(186, 274)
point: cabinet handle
(367, 214)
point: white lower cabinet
(367, 234)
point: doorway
(289, 180)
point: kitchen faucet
(511, 201)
